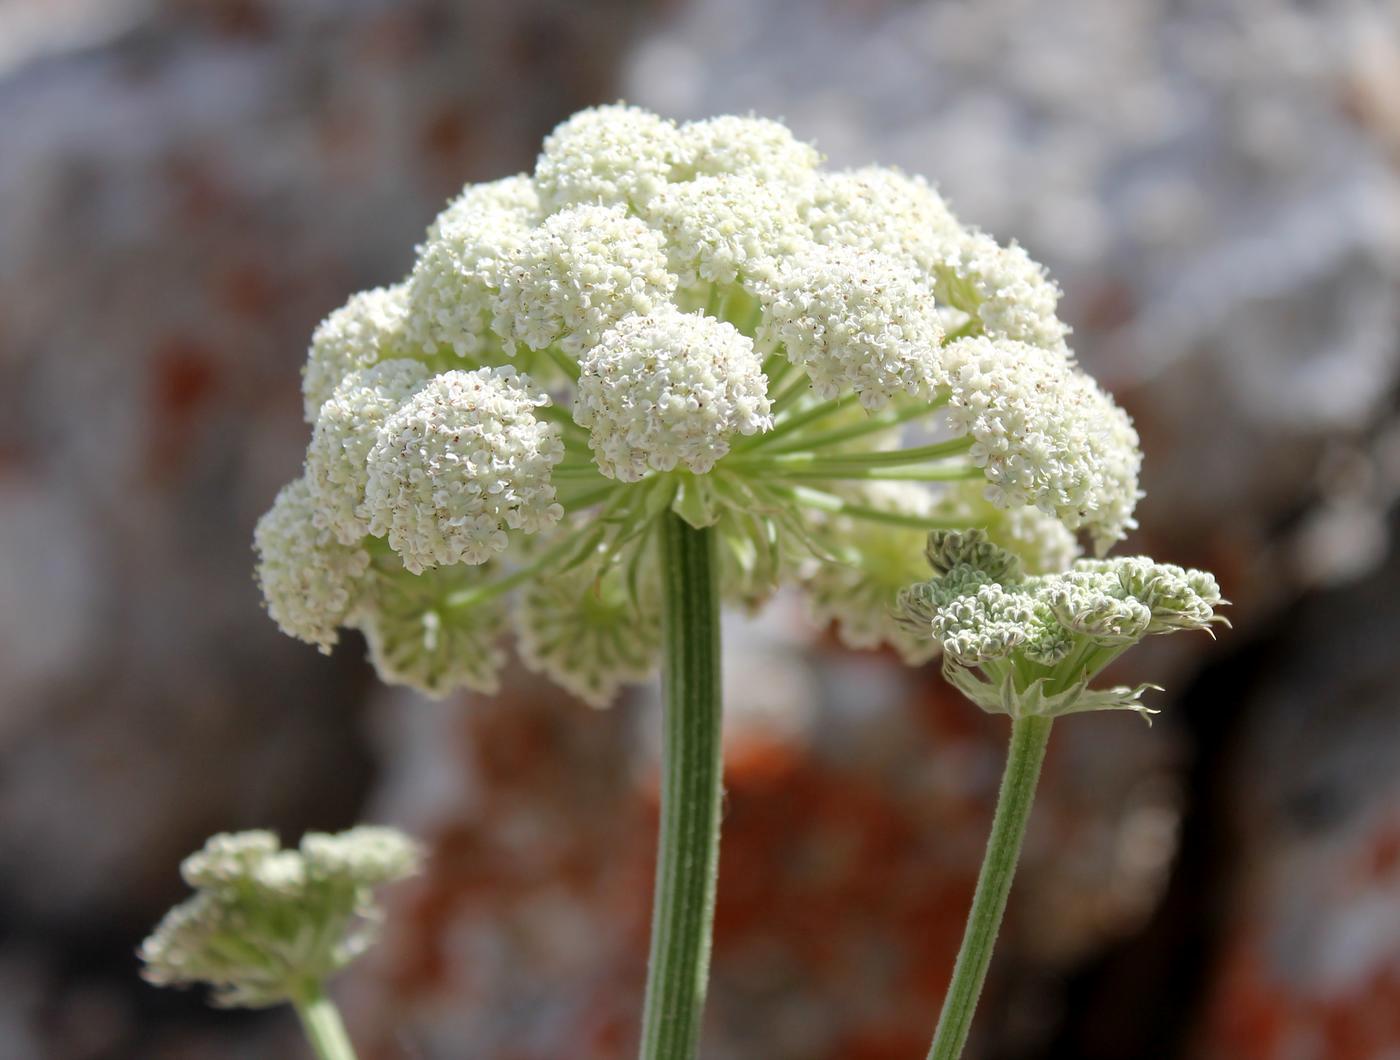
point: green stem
(855, 461)
(873, 425)
(564, 418)
(1029, 737)
(798, 388)
(320, 1019)
(797, 422)
(775, 366)
(573, 502)
(687, 858)
(942, 473)
(967, 327)
(563, 361)
(827, 502)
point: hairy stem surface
(320, 1019)
(688, 852)
(1029, 737)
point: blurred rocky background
(187, 186)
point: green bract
(1028, 645)
(699, 318)
(266, 923)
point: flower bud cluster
(1030, 644)
(266, 924)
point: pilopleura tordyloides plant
(697, 318)
(1029, 647)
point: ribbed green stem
(855, 461)
(320, 1019)
(687, 859)
(1029, 737)
(827, 502)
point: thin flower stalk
(268, 926)
(1029, 646)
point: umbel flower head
(822, 365)
(1027, 645)
(266, 923)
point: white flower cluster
(857, 321)
(337, 461)
(590, 632)
(669, 390)
(459, 267)
(420, 635)
(460, 462)
(309, 579)
(578, 274)
(266, 922)
(367, 329)
(1038, 640)
(691, 316)
(1044, 434)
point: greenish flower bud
(1031, 645)
(267, 924)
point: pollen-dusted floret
(425, 633)
(588, 633)
(309, 580)
(855, 320)
(460, 263)
(370, 327)
(721, 230)
(345, 432)
(613, 155)
(579, 273)
(755, 147)
(265, 924)
(669, 390)
(1044, 434)
(461, 462)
